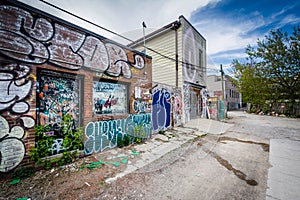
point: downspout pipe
(176, 26)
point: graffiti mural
(15, 87)
(109, 98)
(12, 149)
(190, 55)
(193, 68)
(177, 107)
(32, 39)
(204, 103)
(161, 110)
(186, 99)
(140, 106)
(166, 107)
(104, 134)
(57, 95)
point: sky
(227, 25)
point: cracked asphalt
(233, 165)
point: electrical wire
(112, 32)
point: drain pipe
(176, 26)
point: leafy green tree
(272, 70)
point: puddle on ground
(241, 175)
(264, 146)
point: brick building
(50, 68)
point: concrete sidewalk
(284, 173)
(159, 144)
(209, 126)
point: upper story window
(200, 59)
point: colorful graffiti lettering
(141, 106)
(37, 40)
(103, 134)
(177, 107)
(161, 110)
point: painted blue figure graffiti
(161, 110)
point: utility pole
(144, 26)
(176, 26)
(222, 79)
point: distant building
(232, 97)
(178, 54)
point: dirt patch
(83, 179)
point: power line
(63, 10)
(101, 27)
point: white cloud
(289, 19)
(225, 35)
(122, 16)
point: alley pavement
(284, 157)
(161, 144)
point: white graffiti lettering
(12, 149)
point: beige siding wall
(163, 69)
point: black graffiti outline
(21, 123)
(16, 98)
(7, 136)
(46, 43)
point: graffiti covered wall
(15, 89)
(166, 107)
(104, 134)
(38, 40)
(48, 69)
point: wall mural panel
(109, 98)
(104, 134)
(57, 95)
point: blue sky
(237, 23)
(228, 25)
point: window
(109, 98)
(200, 59)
